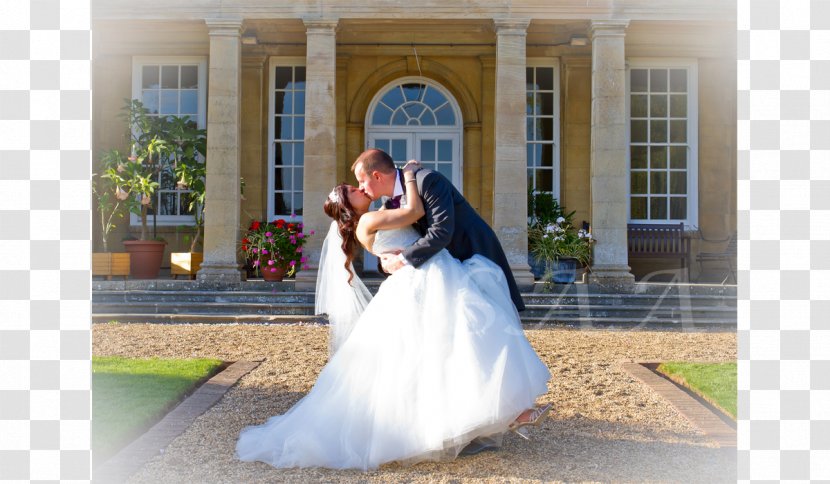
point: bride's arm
(394, 218)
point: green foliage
(104, 190)
(128, 395)
(717, 383)
(157, 144)
(274, 245)
(551, 234)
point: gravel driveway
(606, 426)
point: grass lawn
(717, 383)
(129, 395)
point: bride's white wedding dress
(436, 359)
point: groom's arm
(436, 193)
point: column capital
(320, 26)
(511, 26)
(487, 61)
(607, 28)
(576, 61)
(231, 27)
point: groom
(449, 223)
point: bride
(436, 359)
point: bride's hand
(412, 166)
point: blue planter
(564, 270)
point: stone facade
(351, 53)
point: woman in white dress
(436, 359)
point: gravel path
(606, 426)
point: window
(662, 103)
(542, 127)
(171, 86)
(286, 153)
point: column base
(611, 279)
(306, 280)
(524, 278)
(219, 272)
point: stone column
(488, 128)
(510, 169)
(609, 190)
(320, 164)
(222, 200)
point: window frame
(273, 63)
(201, 119)
(691, 64)
(556, 169)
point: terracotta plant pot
(145, 258)
(272, 276)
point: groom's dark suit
(450, 222)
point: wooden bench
(662, 241)
(728, 255)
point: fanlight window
(413, 104)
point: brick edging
(697, 413)
(132, 457)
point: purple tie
(395, 202)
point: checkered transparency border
(784, 239)
(44, 240)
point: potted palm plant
(556, 248)
(111, 208)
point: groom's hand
(391, 262)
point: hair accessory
(334, 197)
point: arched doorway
(415, 117)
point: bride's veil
(341, 301)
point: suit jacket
(450, 222)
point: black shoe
(478, 445)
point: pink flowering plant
(276, 245)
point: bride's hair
(337, 206)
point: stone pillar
(320, 173)
(222, 200)
(510, 168)
(609, 190)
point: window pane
(638, 208)
(299, 154)
(299, 77)
(399, 119)
(444, 150)
(382, 144)
(151, 101)
(299, 127)
(658, 131)
(678, 182)
(659, 106)
(530, 183)
(659, 80)
(414, 110)
(413, 91)
(678, 105)
(544, 180)
(639, 156)
(547, 155)
(433, 98)
(677, 156)
(169, 77)
(639, 131)
(639, 182)
(658, 208)
(545, 106)
(150, 77)
(280, 178)
(544, 78)
(658, 157)
(279, 102)
(427, 150)
(279, 203)
(445, 116)
(282, 77)
(446, 170)
(531, 128)
(530, 102)
(190, 77)
(545, 129)
(678, 131)
(639, 106)
(298, 179)
(279, 154)
(639, 80)
(658, 183)
(531, 158)
(282, 127)
(167, 205)
(529, 79)
(285, 155)
(190, 102)
(299, 102)
(428, 119)
(297, 208)
(678, 80)
(167, 179)
(169, 102)
(184, 204)
(399, 150)
(382, 115)
(393, 98)
(678, 208)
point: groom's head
(375, 173)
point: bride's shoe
(535, 418)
